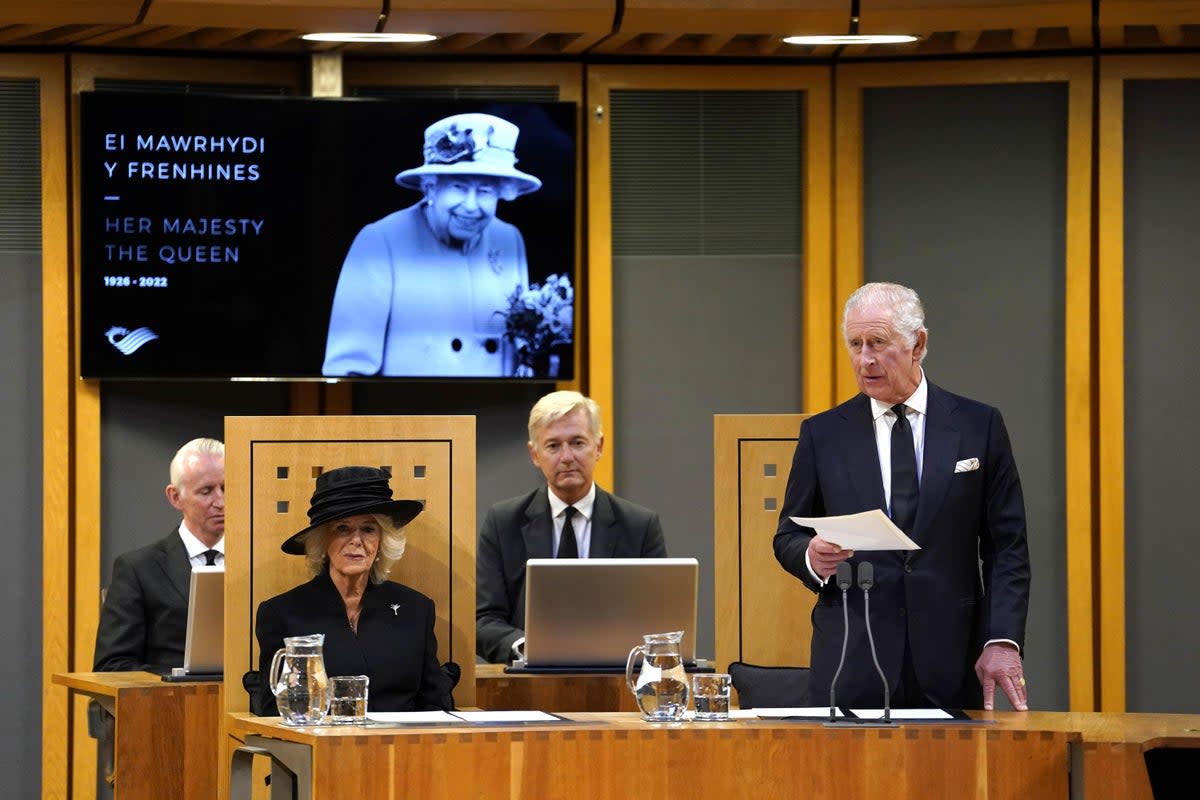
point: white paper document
(869, 530)
(506, 716)
(903, 713)
(812, 712)
(414, 717)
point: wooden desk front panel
(167, 734)
(618, 756)
(166, 742)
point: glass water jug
(298, 680)
(661, 688)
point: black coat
(395, 645)
(143, 621)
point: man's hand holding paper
(824, 556)
(869, 530)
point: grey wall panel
(696, 336)
(21, 431)
(964, 193)
(707, 204)
(21, 495)
(1162, 435)
(142, 424)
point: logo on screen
(127, 341)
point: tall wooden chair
(763, 614)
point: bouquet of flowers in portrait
(538, 320)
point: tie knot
(899, 409)
(210, 557)
(569, 513)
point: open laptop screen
(203, 652)
(591, 612)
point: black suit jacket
(969, 582)
(519, 529)
(143, 621)
(395, 645)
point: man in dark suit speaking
(948, 619)
(570, 517)
(143, 621)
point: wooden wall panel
(763, 613)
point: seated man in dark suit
(565, 442)
(144, 617)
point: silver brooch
(395, 609)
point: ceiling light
(852, 38)
(370, 38)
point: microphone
(866, 579)
(845, 580)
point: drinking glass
(347, 699)
(710, 690)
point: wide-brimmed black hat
(348, 492)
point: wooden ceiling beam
(715, 42)
(216, 38)
(159, 37)
(516, 42)
(658, 42)
(463, 41)
(1080, 36)
(1024, 38)
(965, 41)
(54, 13)
(1170, 34)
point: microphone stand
(866, 579)
(844, 580)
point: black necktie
(567, 546)
(210, 557)
(904, 472)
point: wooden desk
(167, 734)
(496, 691)
(614, 756)
(1114, 746)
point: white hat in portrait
(471, 144)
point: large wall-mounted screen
(299, 238)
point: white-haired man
(569, 517)
(143, 621)
(949, 619)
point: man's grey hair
(507, 188)
(556, 405)
(194, 447)
(392, 541)
(908, 315)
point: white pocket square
(967, 465)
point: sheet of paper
(903, 713)
(868, 530)
(506, 716)
(411, 717)
(813, 712)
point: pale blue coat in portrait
(408, 304)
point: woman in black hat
(372, 626)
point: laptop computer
(588, 613)
(204, 645)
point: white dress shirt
(583, 519)
(197, 548)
